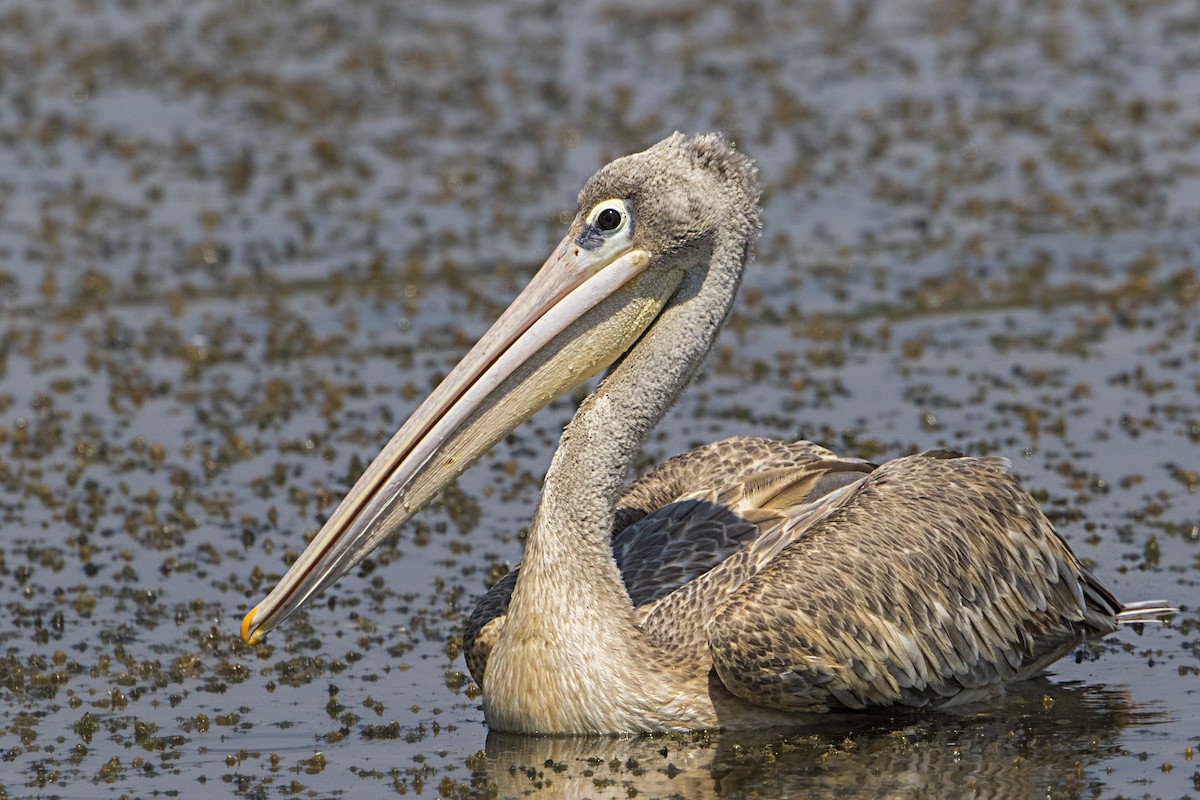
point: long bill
(581, 311)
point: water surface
(239, 242)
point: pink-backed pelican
(745, 583)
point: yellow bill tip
(249, 635)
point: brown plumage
(741, 584)
(934, 578)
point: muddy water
(239, 241)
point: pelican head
(644, 238)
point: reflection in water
(1039, 740)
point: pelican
(746, 583)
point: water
(239, 242)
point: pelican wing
(681, 548)
(724, 463)
(697, 510)
(936, 578)
(680, 542)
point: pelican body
(746, 583)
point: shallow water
(239, 242)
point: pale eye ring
(609, 219)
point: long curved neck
(568, 576)
(591, 466)
(570, 657)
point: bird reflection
(1040, 739)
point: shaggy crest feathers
(711, 151)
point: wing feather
(937, 575)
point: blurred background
(240, 241)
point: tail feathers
(1145, 611)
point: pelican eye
(606, 222)
(609, 219)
